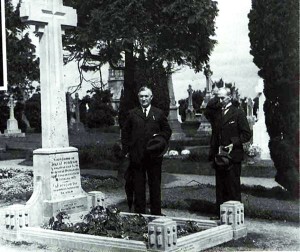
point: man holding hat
(145, 137)
(231, 131)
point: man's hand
(229, 148)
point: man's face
(145, 98)
(224, 97)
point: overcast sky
(230, 59)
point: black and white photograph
(149, 125)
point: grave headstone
(12, 124)
(250, 116)
(75, 125)
(70, 111)
(190, 112)
(175, 125)
(205, 127)
(78, 126)
(57, 184)
(260, 134)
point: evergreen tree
(274, 37)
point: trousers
(148, 170)
(228, 185)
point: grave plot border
(160, 234)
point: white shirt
(147, 110)
(225, 110)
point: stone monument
(250, 116)
(175, 125)
(205, 127)
(190, 112)
(12, 124)
(57, 184)
(78, 126)
(260, 134)
(75, 125)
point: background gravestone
(12, 124)
(177, 132)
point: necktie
(145, 112)
(224, 110)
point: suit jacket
(138, 130)
(213, 113)
(234, 128)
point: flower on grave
(185, 152)
(252, 150)
(173, 153)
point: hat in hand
(157, 146)
(223, 161)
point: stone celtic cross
(51, 18)
(11, 104)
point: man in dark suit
(231, 131)
(142, 125)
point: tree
(22, 64)
(100, 111)
(155, 31)
(274, 37)
(32, 111)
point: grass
(201, 199)
(204, 168)
(259, 202)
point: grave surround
(162, 233)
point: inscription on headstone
(65, 175)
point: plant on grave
(17, 186)
(109, 222)
(104, 222)
(252, 150)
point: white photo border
(4, 63)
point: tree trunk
(129, 98)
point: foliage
(22, 64)
(33, 111)
(110, 223)
(141, 31)
(90, 183)
(251, 150)
(100, 111)
(17, 185)
(274, 37)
